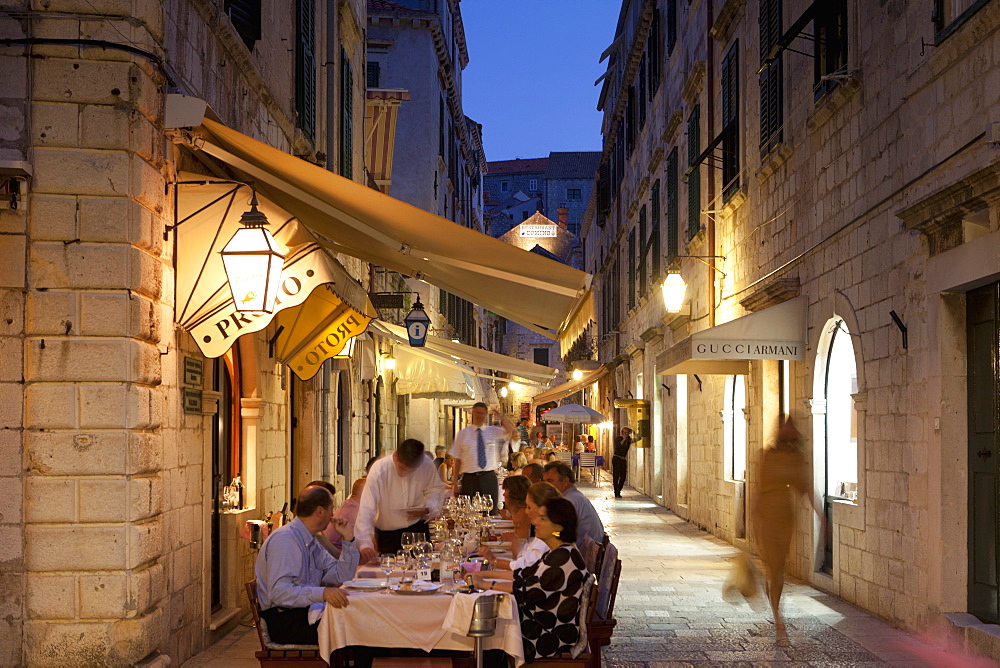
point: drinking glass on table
(408, 539)
(387, 562)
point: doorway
(223, 465)
(982, 315)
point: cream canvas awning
(429, 377)
(353, 219)
(208, 214)
(776, 333)
(577, 324)
(453, 353)
(566, 389)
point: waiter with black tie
(479, 450)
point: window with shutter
(949, 14)
(671, 11)
(373, 74)
(673, 224)
(655, 39)
(245, 17)
(642, 249)
(603, 192)
(654, 235)
(730, 122)
(631, 268)
(346, 116)
(770, 78)
(694, 178)
(305, 66)
(642, 92)
(830, 24)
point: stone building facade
(115, 548)
(844, 188)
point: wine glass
(387, 562)
(408, 540)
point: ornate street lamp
(417, 322)
(673, 293)
(253, 263)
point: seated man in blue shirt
(294, 570)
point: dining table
(438, 621)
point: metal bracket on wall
(900, 325)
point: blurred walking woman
(783, 475)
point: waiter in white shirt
(402, 491)
(479, 450)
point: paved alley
(671, 613)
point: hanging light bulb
(577, 374)
(503, 391)
(253, 263)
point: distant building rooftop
(518, 166)
(573, 164)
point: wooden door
(982, 316)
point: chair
(603, 624)
(585, 658)
(272, 653)
(593, 554)
(566, 457)
(588, 460)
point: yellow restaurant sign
(316, 331)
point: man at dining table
(479, 450)
(402, 491)
(560, 476)
(294, 571)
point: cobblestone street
(671, 613)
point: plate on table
(419, 587)
(365, 584)
(494, 544)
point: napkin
(316, 612)
(472, 566)
(459, 615)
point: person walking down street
(782, 475)
(478, 451)
(619, 462)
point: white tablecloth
(375, 619)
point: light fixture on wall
(674, 290)
(253, 262)
(417, 322)
(503, 391)
(577, 374)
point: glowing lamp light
(503, 391)
(253, 263)
(673, 293)
(577, 374)
(389, 363)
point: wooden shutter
(673, 226)
(694, 178)
(770, 79)
(305, 66)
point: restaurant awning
(208, 214)
(428, 377)
(381, 112)
(317, 330)
(566, 389)
(351, 218)
(775, 333)
(577, 324)
(454, 353)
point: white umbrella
(573, 414)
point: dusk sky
(532, 66)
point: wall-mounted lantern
(417, 322)
(674, 290)
(253, 262)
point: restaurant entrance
(222, 466)
(983, 316)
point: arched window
(841, 384)
(734, 427)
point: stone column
(92, 401)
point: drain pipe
(710, 127)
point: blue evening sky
(532, 66)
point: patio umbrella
(573, 414)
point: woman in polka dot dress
(548, 592)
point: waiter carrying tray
(479, 450)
